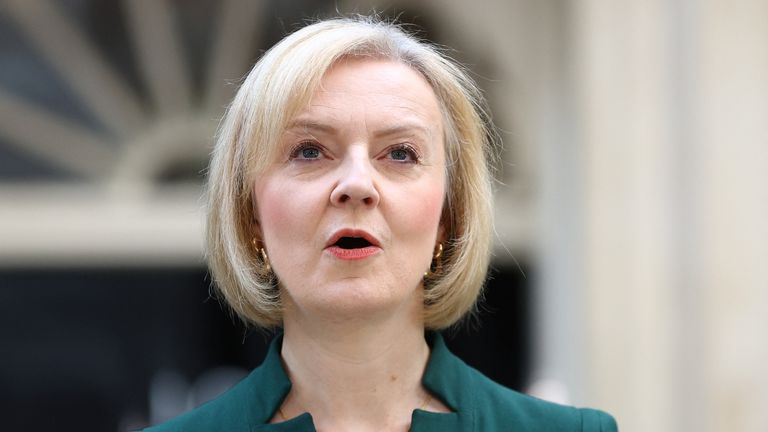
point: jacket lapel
(446, 376)
(302, 423)
(268, 385)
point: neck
(356, 375)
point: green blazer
(478, 404)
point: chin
(359, 298)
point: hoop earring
(265, 261)
(264, 267)
(436, 266)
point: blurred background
(631, 260)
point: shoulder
(226, 412)
(499, 408)
(250, 402)
(480, 404)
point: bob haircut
(278, 88)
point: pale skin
(367, 155)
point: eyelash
(304, 145)
(415, 158)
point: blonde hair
(276, 89)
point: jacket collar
(446, 376)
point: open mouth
(352, 243)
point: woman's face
(350, 213)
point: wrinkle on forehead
(376, 97)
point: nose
(355, 186)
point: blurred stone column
(730, 123)
(622, 106)
(672, 103)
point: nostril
(350, 194)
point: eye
(310, 153)
(306, 151)
(403, 153)
(399, 154)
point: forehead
(379, 89)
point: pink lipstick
(349, 244)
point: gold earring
(265, 269)
(265, 260)
(436, 266)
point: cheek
(431, 213)
(422, 214)
(281, 214)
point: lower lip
(353, 254)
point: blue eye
(310, 153)
(306, 151)
(399, 154)
(403, 153)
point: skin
(366, 154)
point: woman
(350, 204)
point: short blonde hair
(278, 87)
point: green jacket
(478, 404)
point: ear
(441, 235)
(256, 231)
(445, 228)
(255, 223)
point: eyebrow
(407, 127)
(311, 125)
(400, 128)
